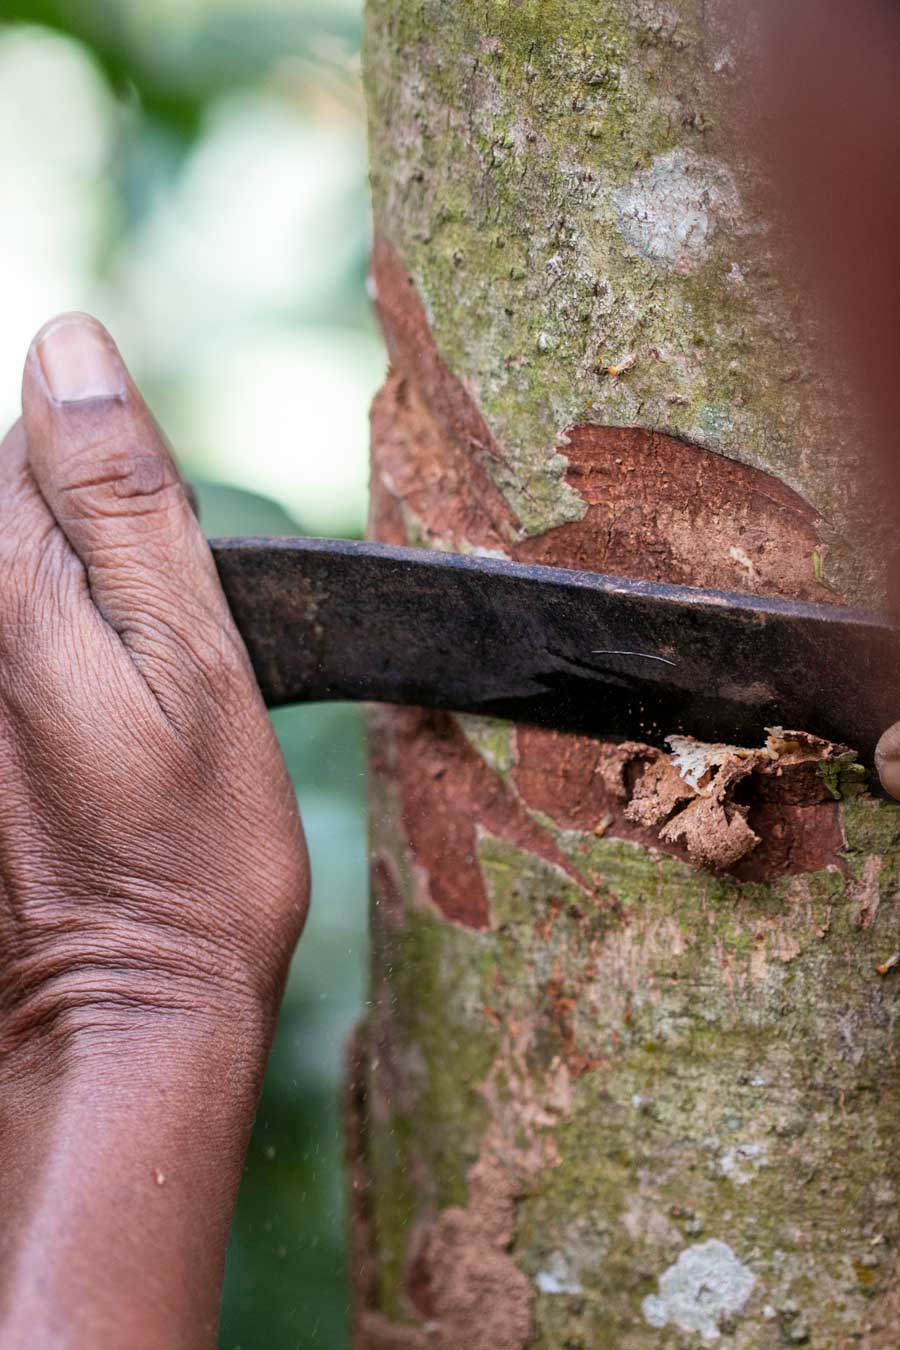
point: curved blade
(331, 619)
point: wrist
(122, 1139)
(68, 1032)
(133, 992)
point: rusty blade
(331, 619)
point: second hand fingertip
(887, 760)
(78, 361)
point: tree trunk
(629, 1074)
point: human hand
(152, 852)
(153, 873)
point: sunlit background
(193, 172)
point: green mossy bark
(501, 136)
(702, 1062)
(741, 1086)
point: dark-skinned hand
(153, 873)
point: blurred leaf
(176, 68)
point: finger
(43, 590)
(21, 504)
(107, 476)
(34, 555)
(887, 760)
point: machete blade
(332, 619)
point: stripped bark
(629, 1076)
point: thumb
(107, 476)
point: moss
(494, 740)
(437, 1012)
(499, 135)
(844, 778)
(651, 1153)
(714, 1101)
(871, 827)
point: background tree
(628, 1077)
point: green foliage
(176, 68)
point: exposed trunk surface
(629, 1075)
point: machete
(578, 651)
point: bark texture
(629, 1074)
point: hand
(153, 873)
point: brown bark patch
(466, 1287)
(661, 509)
(460, 1278)
(445, 788)
(377, 1332)
(429, 441)
(422, 479)
(763, 815)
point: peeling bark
(654, 507)
(629, 1075)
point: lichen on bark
(609, 1097)
(524, 158)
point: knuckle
(120, 482)
(194, 661)
(222, 686)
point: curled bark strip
(703, 795)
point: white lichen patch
(698, 762)
(671, 212)
(744, 561)
(742, 1162)
(477, 551)
(660, 19)
(557, 1277)
(706, 1286)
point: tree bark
(629, 1073)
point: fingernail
(79, 360)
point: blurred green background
(193, 171)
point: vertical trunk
(628, 1077)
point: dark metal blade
(329, 619)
